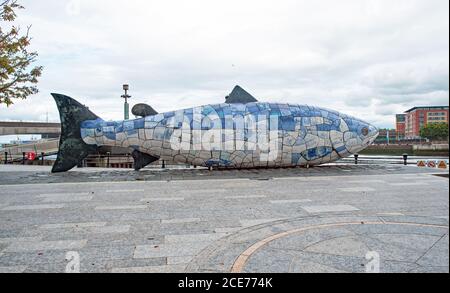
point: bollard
(356, 159)
(107, 162)
(23, 158)
(6, 158)
(163, 164)
(43, 158)
(405, 159)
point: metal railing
(122, 162)
(40, 159)
(404, 159)
(126, 161)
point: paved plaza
(324, 219)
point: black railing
(40, 159)
(404, 159)
(126, 161)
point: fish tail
(72, 148)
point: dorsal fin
(240, 96)
(143, 110)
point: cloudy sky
(369, 58)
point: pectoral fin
(142, 160)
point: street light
(126, 88)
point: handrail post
(405, 159)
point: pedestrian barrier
(443, 165)
(421, 164)
(431, 164)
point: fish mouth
(374, 132)
(371, 135)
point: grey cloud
(361, 57)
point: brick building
(419, 117)
(400, 122)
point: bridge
(21, 128)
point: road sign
(421, 164)
(431, 164)
(31, 156)
(442, 165)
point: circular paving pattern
(332, 245)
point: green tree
(435, 131)
(18, 78)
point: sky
(367, 58)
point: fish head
(359, 134)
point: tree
(17, 78)
(435, 131)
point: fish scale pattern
(239, 135)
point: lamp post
(126, 87)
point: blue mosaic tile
(139, 123)
(169, 115)
(91, 123)
(324, 127)
(306, 121)
(293, 125)
(287, 123)
(285, 112)
(341, 149)
(252, 109)
(324, 151)
(83, 132)
(263, 107)
(238, 108)
(207, 110)
(159, 133)
(110, 135)
(296, 158)
(168, 134)
(312, 154)
(132, 132)
(128, 125)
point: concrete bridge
(20, 128)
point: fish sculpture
(241, 133)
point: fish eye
(365, 131)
